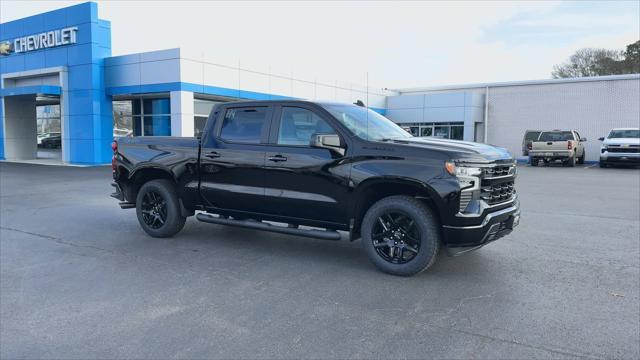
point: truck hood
(621, 141)
(460, 150)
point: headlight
(461, 171)
(464, 171)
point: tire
(581, 158)
(407, 222)
(570, 162)
(533, 161)
(603, 164)
(158, 209)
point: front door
(232, 159)
(301, 181)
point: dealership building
(63, 96)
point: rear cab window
(556, 136)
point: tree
(598, 62)
(632, 57)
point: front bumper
(616, 157)
(461, 239)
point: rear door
(232, 158)
(301, 181)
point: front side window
(244, 125)
(298, 125)
(365, 123)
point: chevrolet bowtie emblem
(625, 145)
(6, 48)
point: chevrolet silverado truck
(315, 168)
(566, 146)
(622, 146)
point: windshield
(556, 136)
(365, 123)
(634, 133)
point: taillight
(569, 145)
(529, 146)
(114, 147)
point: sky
(392, 45)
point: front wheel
(400, 235)
(158, 209)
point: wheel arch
(373, 190)
(142, 175)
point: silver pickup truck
(622, 146)
(566, 146)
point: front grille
(498, 171)
(494, 194)
(628, 150)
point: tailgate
(549, 145)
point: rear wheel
(533, 161)
(400, 235)
(571, 162)
(581, 159)
(158, 209)
(603, 164)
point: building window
(142, 117)
(454, 130)
(201, 109)
(122, 118)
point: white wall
(592, 108)
(175, 65)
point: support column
(182, 113)
(20, 128)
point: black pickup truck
(313, 168)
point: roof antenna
(359, 103)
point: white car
(622, 146)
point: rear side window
(297, 125)
(556, 136)
(244, 125)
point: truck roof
(282, 101)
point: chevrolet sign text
(45, 40)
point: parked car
(329, 166)
(622, 146)
(42, 136)
(53, 141)
(529, 137)
(566, 146)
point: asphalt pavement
(80, 279)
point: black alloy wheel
(396, 237)
(154, 210)
(158, 209)
(400, 235)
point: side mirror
(601, 138)
(583, 139)
(327, 141)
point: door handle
(212, 154)
(277, 158)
